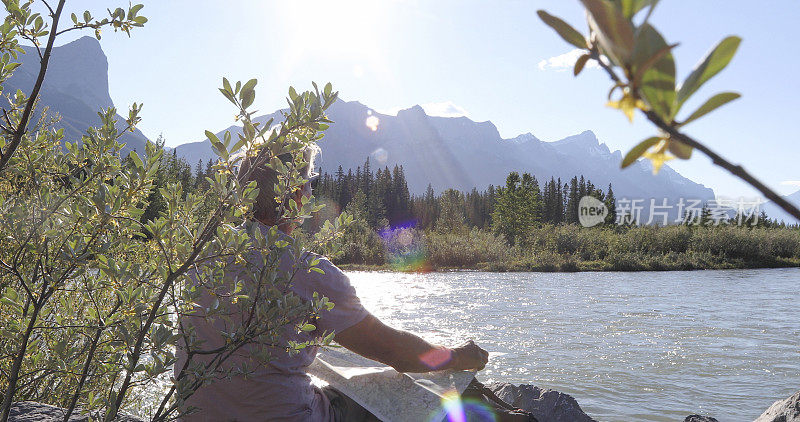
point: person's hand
(469, 356)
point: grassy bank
(573, 248)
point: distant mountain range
(456, 152)
(776, 212)
(445, 152)
(75, 86)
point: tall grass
(575, 248)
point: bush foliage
(100, 256)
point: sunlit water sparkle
(654, 346)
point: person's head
(266, 207)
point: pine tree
(451, 217)
(514, 213)
(340, 195)
(366, 178)
(611, 205)
(573, 195)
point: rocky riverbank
(546, 405)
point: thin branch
(19, 132)
(48, 7)
(735, 169)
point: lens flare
(380, 155)
(405, 249)
(372, 122)
(457, 409)
(453, 408)
(436, 358)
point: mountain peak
(525, 138)
(415, 111)
(586, 138)
(457, 152)
(85, 42)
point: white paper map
(388, 394)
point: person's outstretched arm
(406, 352)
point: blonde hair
(266, 208)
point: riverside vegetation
(516, 227)
(520, 227)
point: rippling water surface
(653, 346)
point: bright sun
(350, 27)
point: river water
(649, 346)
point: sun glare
(349, 30)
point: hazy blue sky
(493, 60)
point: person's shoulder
(322, 266)
(316, 273)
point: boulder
(699, 418)
(787, 410)
(546, 405)
(29, 411)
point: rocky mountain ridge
(456, 152)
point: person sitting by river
(281, 390)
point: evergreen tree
(430, 208)
(573, 199)
(515, 212)
(451, 217)
(340, 195)
(611, 204)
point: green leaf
(567, 32)
(248, 96)
(636, 152)
(654, 67)
(217, 145)
(308, 327)
(712, 104)
(250, 85)
(631, 7)
(716, 60)
(680, 149)
(614, 31)
(580, 63)
(213, 138)
(136, 159)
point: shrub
(465, 250)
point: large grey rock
(787, 410)
(699, 418)
(546, 405)
(29, 411)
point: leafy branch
(639, 61)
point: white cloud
(439, 109)
(791, 182)
(389, 111)
(566, 61)
(444, 109)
